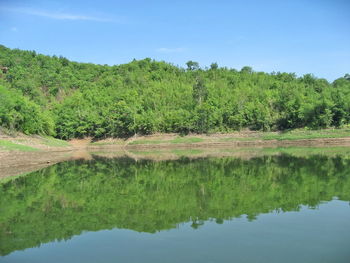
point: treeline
(52, 95)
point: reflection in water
(65, 199)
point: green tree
(214, 66)
(191, 65)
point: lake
(269, 208)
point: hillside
(53, 96)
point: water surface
(265, 209)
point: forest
(51, 95)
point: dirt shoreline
(17, 162)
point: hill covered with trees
(51, 95)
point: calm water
(265, 209)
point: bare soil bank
(14, 163)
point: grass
(305, 134)
(49, 141)
(298, 134)
(174, 141)
(10, 146)
(294, 135)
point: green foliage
(19, 113)
(52, 95)
(122, 120)
(306, 134)
(192, 65)
(11, 146)
(200, 91)
(214, 66)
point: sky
(299, 36)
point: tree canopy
(51, 95)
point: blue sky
(301, 36)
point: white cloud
(170, 50)
(57, 15)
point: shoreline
(155, 147)
(22, 153)
(253, 143)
